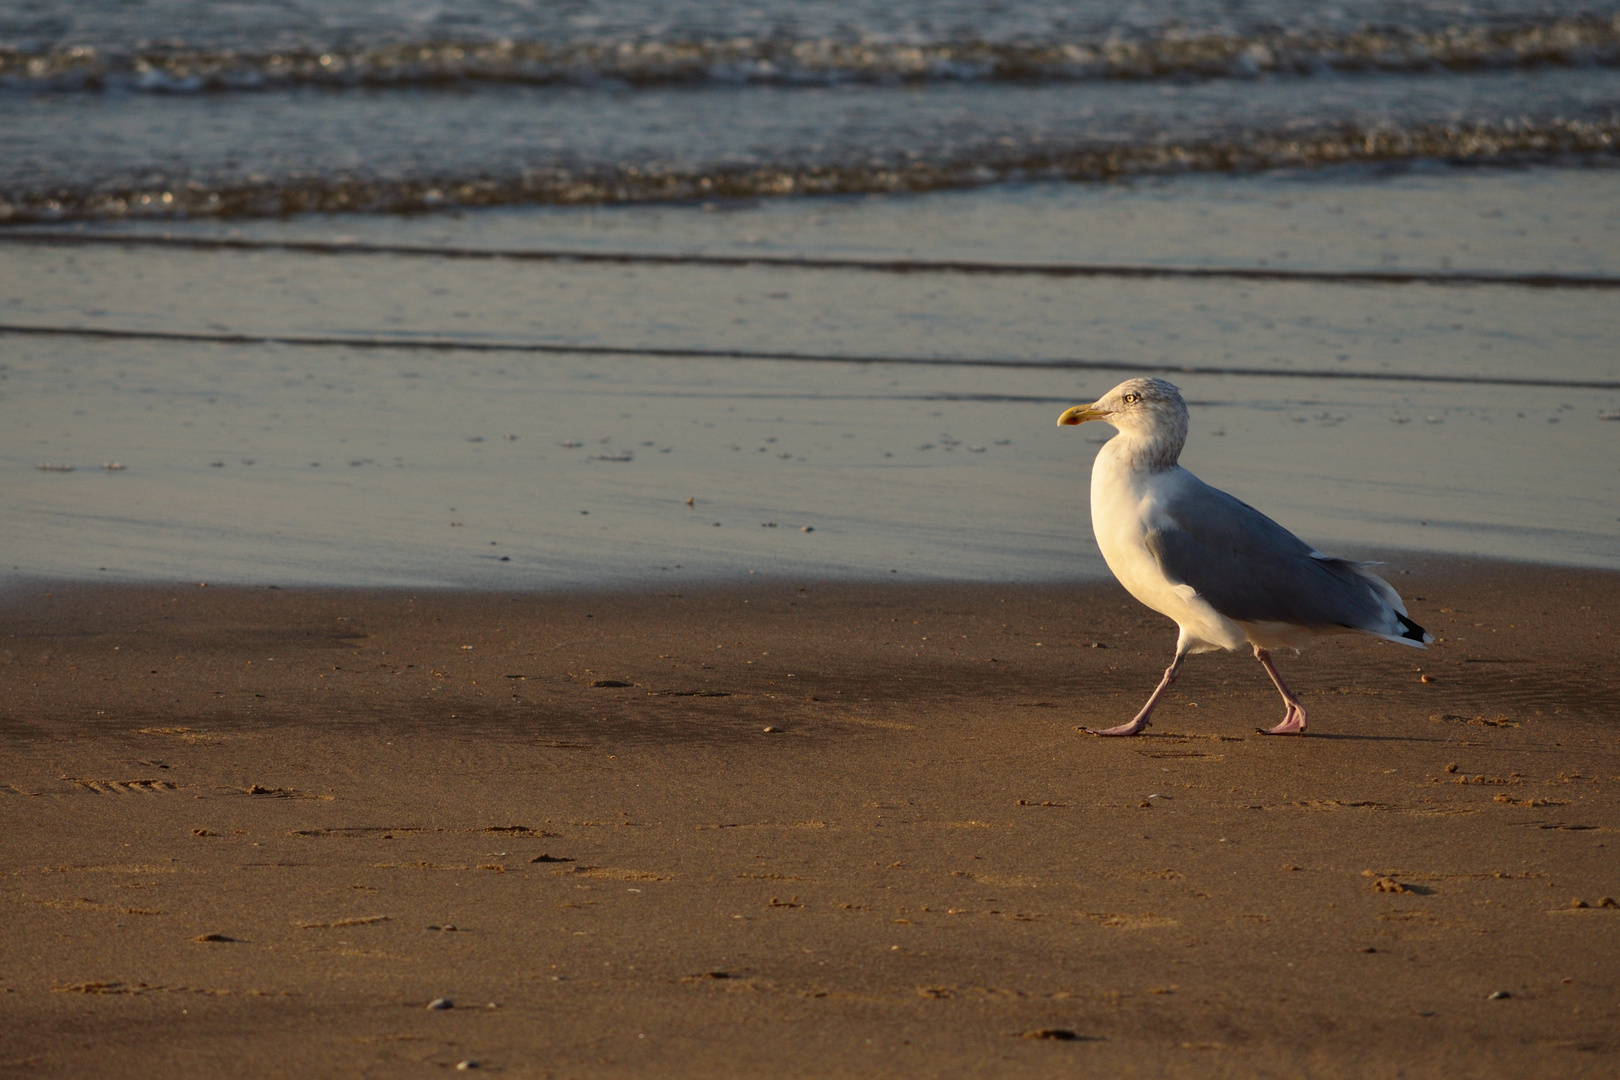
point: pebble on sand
(1500, 995)
(441, 1003)
(468, 1063)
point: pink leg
(1293, 722)
(1136, 726)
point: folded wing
(1251, 569)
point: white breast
(1124, 506)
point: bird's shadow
(1261, 735)
(1348, 737)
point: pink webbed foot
(1293, 723)
(1140, 722)
(1135, 727)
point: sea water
(511, 295)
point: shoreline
(462, 420)
(1391, 563)
(240, 823)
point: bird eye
(1132, 399)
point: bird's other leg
(1143, 718)
(1293, 722)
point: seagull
(1228, 575)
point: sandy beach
(796, 829)
(651, 614)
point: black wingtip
(1411, 630)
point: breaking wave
(1496, 45)
(1463, 143)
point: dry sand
(258, 830)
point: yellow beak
(1080, 414)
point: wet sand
(451, 444)
(271, 825)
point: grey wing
(1251, 569)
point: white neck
(1144, 450)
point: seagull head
(1137, 406)
(1148, 410)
